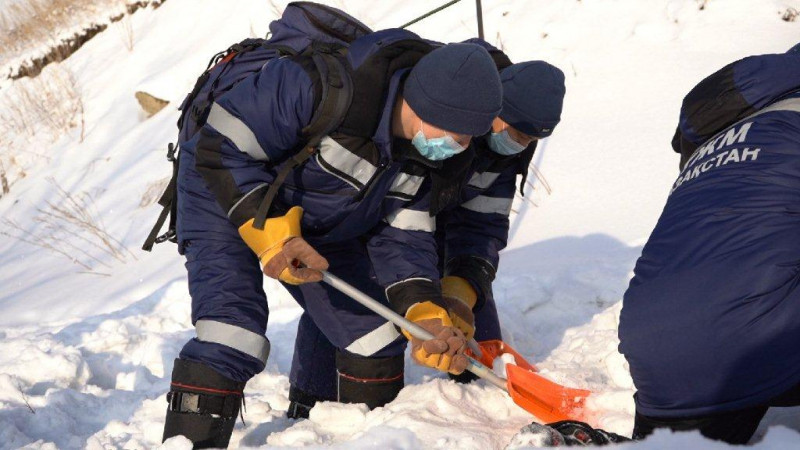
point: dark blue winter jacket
(711, 319)
(376, 191)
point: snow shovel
(548, 401)
(492, 349)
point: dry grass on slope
(23, 22)
(57, 28)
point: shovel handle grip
(415, 330)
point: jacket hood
(734, 92)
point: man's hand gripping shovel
(548, 401)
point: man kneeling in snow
(711, 320)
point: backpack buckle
(183, 402)
(171, 150)
(170, 235)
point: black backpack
(320, 34)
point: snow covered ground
(87, 341)
(29, 35)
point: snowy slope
(28, 36)
(86, 343)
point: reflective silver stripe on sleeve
(790, 104)
(484, 204)
(235, 337)
(374, 341)
(411, 220)
(483, 180)
(356, 170)
(236, 130)
(236, 205)
(406, 184)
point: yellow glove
(460, 298)
(283, 253)
(445, 351)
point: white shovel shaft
(415, 330)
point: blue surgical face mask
(436, 149)
(503, 144)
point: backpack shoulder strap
(169, 206)
(371, 79)
(336, 95)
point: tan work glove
(283, 253)
(445, 351)
(460, 298)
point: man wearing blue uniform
(474, 232)
(361, 206)
(710, 323)
(471, 232)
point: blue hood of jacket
(736, 91)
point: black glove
(581, 434)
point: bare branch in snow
(541, 178)
(277, 11)
(25, 398)
(125, 30)
(71, 227)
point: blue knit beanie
(533, 95)
(455, 88)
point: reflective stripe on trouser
(247, 342)
(228, 305)
(333, 320)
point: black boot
(203, 405)
(301, 402)
(374, 381)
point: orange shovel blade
(543, 398)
